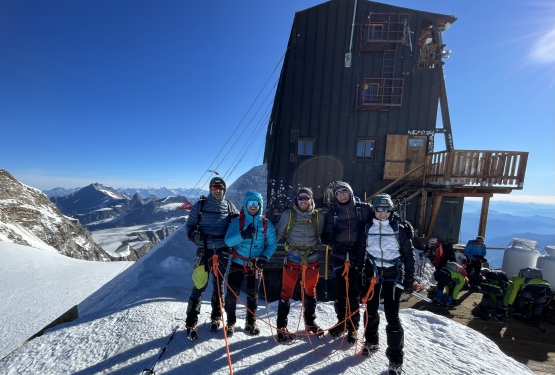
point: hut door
(416, 154)
(403, 153)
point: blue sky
(134, 93)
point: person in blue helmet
(253, 239)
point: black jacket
(343, 237)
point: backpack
(201, 210)
(531, 273)
(496, 275)
(496, 281)
(242, 223)
(293, 220)
(454, 267)
(409, 229)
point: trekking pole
(417, 295)
(147, 371)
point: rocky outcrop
(28, 217)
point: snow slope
(37, 286)
(123, 326)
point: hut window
(305, 146)
(365, 148)
(370, 93)
(415, 142)
(373, 31)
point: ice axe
(417, 295)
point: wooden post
(483, 217)
(422, 218)
(433, 217)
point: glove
(408, 284)
(248, 232)
(261, 262)
(196, 234)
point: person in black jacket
(389, 257)
(343, 222)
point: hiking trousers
(195, 300)
(393, 329)
(291, 272)
(235, 278)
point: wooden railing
(476, 168)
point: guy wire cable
(254, 101)
(261, 121)
(245, 128)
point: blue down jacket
(472, 251)
(255, 247)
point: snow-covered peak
(28, 217)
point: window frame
(304, 140)
(365, 142)
(372, 98)
(371, 30)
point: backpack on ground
(496, 275)
(496, 281)
(531, 273)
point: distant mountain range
(525, 220)
(506, 220)
(129, 192)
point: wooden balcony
(429, 56)
(476, 168)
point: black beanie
(217, 181)
(306, 191)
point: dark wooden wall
(316, 97)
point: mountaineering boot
(351, 337)
(283, 311)
(215, 325)
(230, 330)
(252, 328)
(192, 333)
(395, 368)
(369, 349)
(450, 303)
(193, 310)
(439, 297)
(337, 331)
(315, 330)
(283, 334)
(310, 316)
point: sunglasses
(252, 203)
(383, 209)
(303, 198)
(217, 187)
(342, 191)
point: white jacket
(382, 243)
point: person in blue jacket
(254, 240)
(475, 252)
